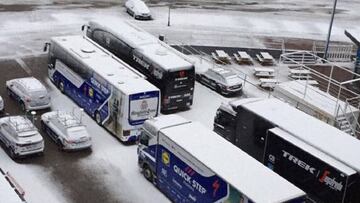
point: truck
(190, 163)
(316, 157)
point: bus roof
(112, 69)
(315, 152)
(7, 192)
(158, 52)
(311, 130)
(240, 170)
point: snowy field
(111, 166)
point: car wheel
(22, 106)
(8, 91)
(148, 173)
(98, 117)
(61, 87)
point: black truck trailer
(314, 156)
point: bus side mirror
(82, 27)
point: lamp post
(169, 14)
(330, 28)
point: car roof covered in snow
(310, 130)
(149, 46)
(31, 84)
(241, 171)
(110, 68)
(19, 123)
(67, 119)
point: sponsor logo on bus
(331, 182)
(141, 62)
(299, 162)
(187, 176)
(99, 86)
(165, 157)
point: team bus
(190, 163)
(163, 66)
(318, 158)
(113, 93)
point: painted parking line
(23, 66)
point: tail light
(69, 141)
(27, 99)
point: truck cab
(148, 141)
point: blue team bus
(113, 93)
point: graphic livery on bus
(115, 95)
(186, 161)
(163, 66)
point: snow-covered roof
(7, 192)
(312, 131)
(233, 165)
(154, 125)
(31, 84)
(112, 69)
(313, 151)
(66, 119)
(146, 44)
(19, 123)
(315, 98)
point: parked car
(138, 9)
(29, 92)
(66, 130)
(20, 136)
(223, 81)
(1, 104)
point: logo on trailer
(216, 187)
(299, 162)
(165, 157)
(331, 182)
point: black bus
(163, 66)
(329, 172)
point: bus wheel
(98, 117)
(147, 173)
(61, 87)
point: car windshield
(27, 133)
(77, 131)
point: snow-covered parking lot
(109, 172)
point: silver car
(20, 136)
(225, 82)
(138, 9)
(29, 92)
(66, 130)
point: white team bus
(113, 93)
(169, 70)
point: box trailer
(245, 123)
(324, 178)
(190, 163)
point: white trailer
(190, 163)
